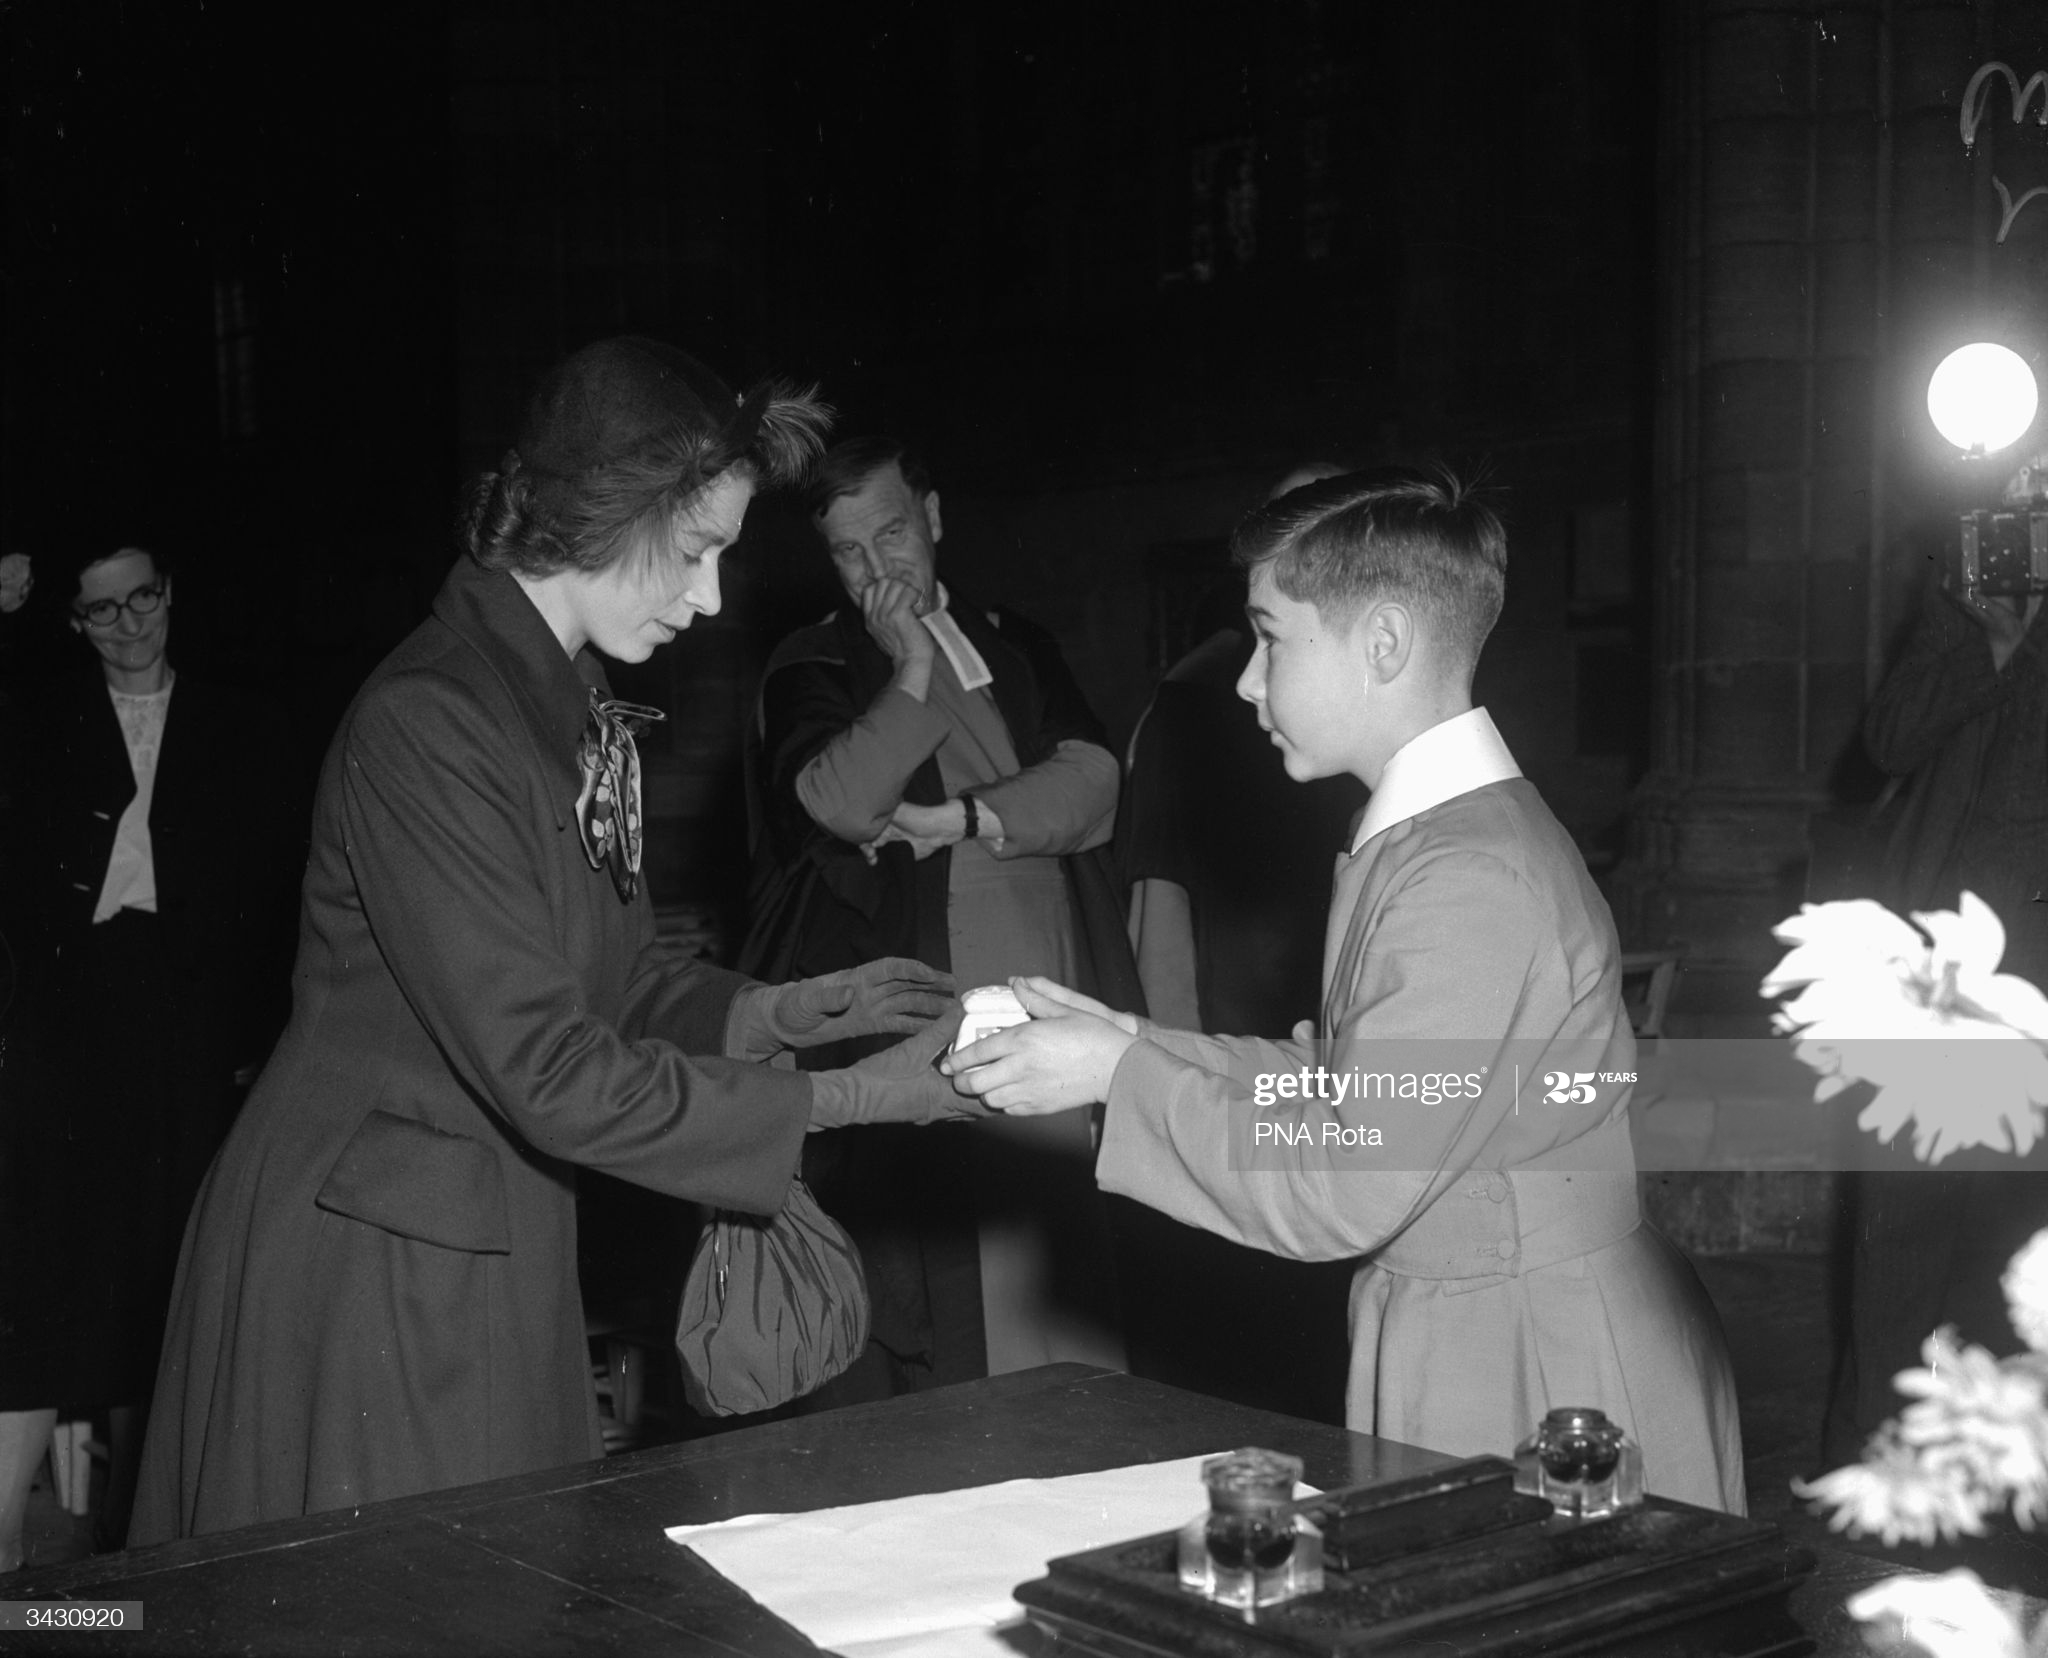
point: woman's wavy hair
(621, 441)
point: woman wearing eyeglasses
(158, 856)
(378, 1294)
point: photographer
(1964, 716)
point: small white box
(991, 1008)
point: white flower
(1968, 942)
(1950, 1616)
(2026, 1292)
(1978, 1425)
(1950, 1043)
(1974, 1436)
(1890, 1494)
(1831, 941)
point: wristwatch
(973, 829)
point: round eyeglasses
(104, 613)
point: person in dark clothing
(1964, 715)
(1228, 861)
(933, 784)
(154, 854)
(1228, 864)
(29, 1298)
(378, 1290)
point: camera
(2003, 553)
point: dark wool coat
(378, 1294)
(140, 1021)
(1928, 1245)
(1974, 741)
(222, 836)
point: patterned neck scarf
(608, 809)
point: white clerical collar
(968, 667)
(1464, 753)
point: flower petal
(1828, 938)
(2026, 1292)
(2011, 1001)
(1950, 1616)
(1971, 935)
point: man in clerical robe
(1504, 1267)
(931, 775)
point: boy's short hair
(849, 465)
(1418, 534)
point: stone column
(1821, 229)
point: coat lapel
(182, 770)
(98, 752)
(492, 614)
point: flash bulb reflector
(1982, 398)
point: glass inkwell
(1583, 1464)
(1251, 1549)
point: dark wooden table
(574, 1560)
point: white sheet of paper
(904, 1578)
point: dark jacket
(1974, 741)
(140, 1024)
(225, 847)
(378, 1290)
(816, 904)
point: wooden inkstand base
(1451, 1563)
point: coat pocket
(420, 1183)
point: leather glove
(895, 995)
(897, 1085)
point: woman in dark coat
(378, 1293)
(150, 897)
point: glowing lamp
(1982, 398)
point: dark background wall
(276, 288)
(228, 321)
(276, 281)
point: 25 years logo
(1580, 1087)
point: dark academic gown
(1927, 1246)
(816, 905)
(378, 1293)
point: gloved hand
(893, 995)
(897, 1085)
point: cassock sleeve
(1457, 952)
(439, 839)
(856, 778)
(1066, 803)
(1944, 680)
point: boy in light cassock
(1504, 1264)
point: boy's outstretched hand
(1063, 1056)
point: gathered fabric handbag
(774, 1307)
